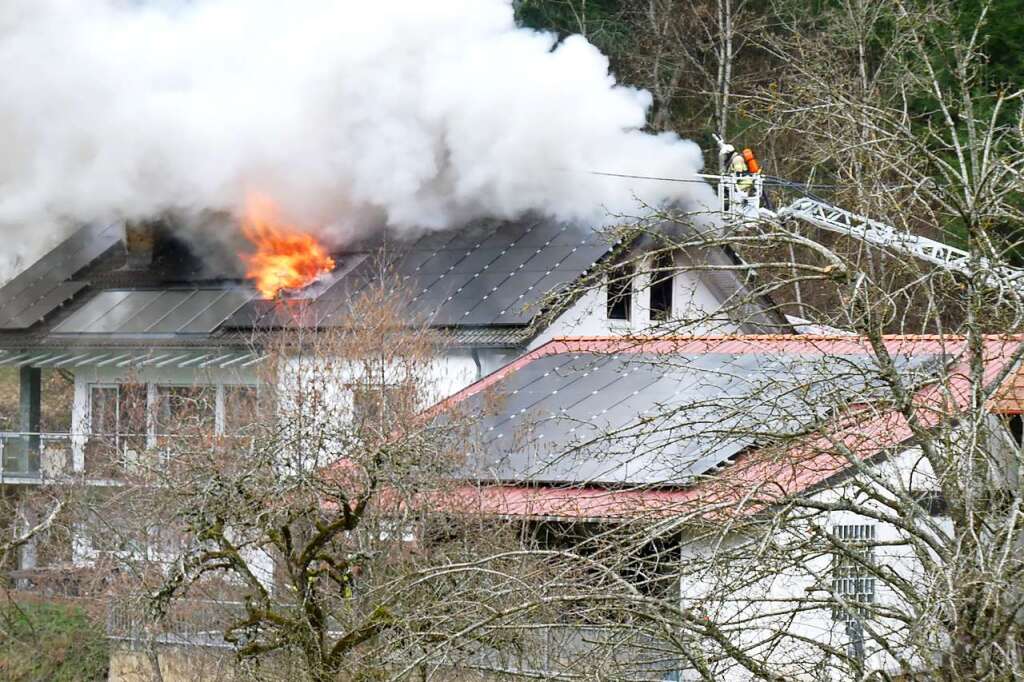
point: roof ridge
(776, 337)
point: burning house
(598, 425)
(137, 312)
(614, 375)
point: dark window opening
(933, 502)
(661, 287)
(620, 292)
(1015, 425)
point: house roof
(722, 464)
(48, 283)
(485, 283)
(488, 273)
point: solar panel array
(487, 273)
(643, 419)
(167, 311)
(497, 274)
(44, 286)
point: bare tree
(691, 51)
(872, 529)
(310, 531)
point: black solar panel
(92, 312)
(212, 316)
(194, 311)
(148, 317)
(513, 271)
(638, 419)
(440, 262)
(128, 308)
(491, 293)
(39, 308)
(44, 285)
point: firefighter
(745, 166)
(739, 165)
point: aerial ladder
(741, 195)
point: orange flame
(285, 257)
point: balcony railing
(622, 652)
(39, 457)
(188, 622)
(34, 455)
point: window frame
(619, 290)
(156, 404)
(153, 401)
(121, 439)
(663, 266)
(851, 580)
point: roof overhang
(133, 358)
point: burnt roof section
(655, 418)
(488, 273)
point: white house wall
(771, 593)
(692, 300)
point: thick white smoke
(409, 113)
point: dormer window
(662, 266)
(620, 292)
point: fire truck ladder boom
(741, 194)
(834, 219)
(837, 220)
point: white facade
(693, 301)
(782, 599)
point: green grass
(50, 641)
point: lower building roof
(710, 457)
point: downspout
(475, 352)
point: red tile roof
(759, 477)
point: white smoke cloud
(410, 113)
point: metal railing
(31, 457)
(25, 455)
(187, 622)
(621, 651)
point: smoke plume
(348, 114)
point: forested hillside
(721, 65)
(908, 112)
